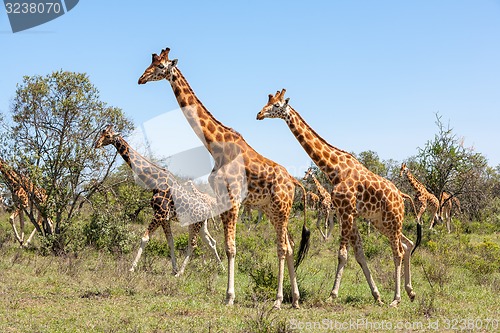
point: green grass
(456, 278)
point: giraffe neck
(210, 131)
(149, 173)
(415, 183)
(20, 183)
(320, 187)
(9, 174)
(328, 158)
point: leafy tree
(55, 120)
(445, 164)
(371, 160)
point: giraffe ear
(287, 100)
(154, 57)
(174, 62)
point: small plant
(265, 320)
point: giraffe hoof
(296, 305)
(277, 305)
(229, 302)
(331, 299)
(395, 303)
(412, 296)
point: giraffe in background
(356, 192)
(423, 197)
(446, 202)
(25, 196)
(240, 176)
(170, 201)
(207, 198)
(325, 206)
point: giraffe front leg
(12, 220)
(144, 242)
(155, 223)
(282, 251)
(170, 240)
(229, 221)
(346, 225)
(359, 254)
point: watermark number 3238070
(26, 14)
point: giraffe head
(404, 169)
(161, 68)
(308, 173)
(108, 135)
(276, 107)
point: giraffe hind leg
(210, 241)
(193, 232)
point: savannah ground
(456, 277)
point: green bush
(106, 230)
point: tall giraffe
(325, 207)
(423, 197)
(240, 176)
(446, 202)
(25, 196)
(356, 192)
(170, 201)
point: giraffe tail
(419, 225)
(306, 233)
(419, 237)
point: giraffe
(169, 201)
(325, 206)
(312, 199)
(446, 203)
(207, 198)
(246, 215)
(25, 196)
(423, 197)
(240, 176)
(356, 192)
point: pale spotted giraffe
(240, 176)
(356, 192)
(170, 201)
(208, 199)
(325, 207)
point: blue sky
(366, 75)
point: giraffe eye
(161, 66)
(277, 105)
